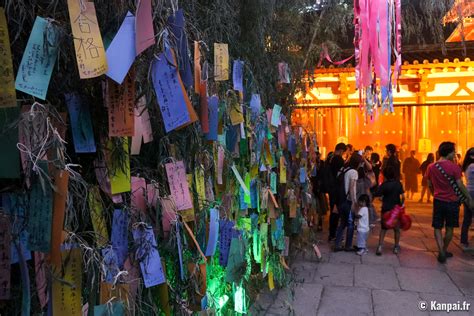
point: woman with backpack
(347, 198)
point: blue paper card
(255, 105)
(238, 75)
(253, 194)
(121, 52)
(176, 23)
(110, 264)
(292, 145)
(232, 136)
(81, 124)
(273, 182)
(277, 234)
(276, 115)
(213, 232)
(254, 222)
(180, 250)
(38, 59)
(213, 108)
(119, 236)
(225, 232)
(204, 303)
(169, 92)
(41, 212)
(302, 175)
(243, 205)
(148, 256)
(115, 309)
(15, 205)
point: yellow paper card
(236, 114)
(200, 186)
(197, 68)
(221, 62)
(282, 170)
(188, 215)
(96, 207)
(90, 52)
(67, 287)
(7, 82)
(271, 284)
(120, 175)
(120, 292)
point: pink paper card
(142, 111)
(179, 186)
(142, 127)
(138, 194)
(220, 164)
(40, 278)
(269, 115)
(132, 279)
(137, 136)
(152, 195)
(204, 115)
(145, 35)
(168, 213)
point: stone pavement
(344, 283)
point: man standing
(403, 153)
(444, 180)
(411, 168)
(336, 162)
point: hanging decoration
(377, 37)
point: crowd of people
(346, 183)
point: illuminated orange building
(433, 102)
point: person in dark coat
(391, 159)
(411, 169)
(424, 181)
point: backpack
(340, 186)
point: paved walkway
(344, 283)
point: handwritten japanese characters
(38, 59)
(68, 286)
(179, 186)
(172, 99)
(40, 215)
(90, 52)
(148, 256)
(221, 62)
(120, 106)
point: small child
(392, 194)
(363, 228)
